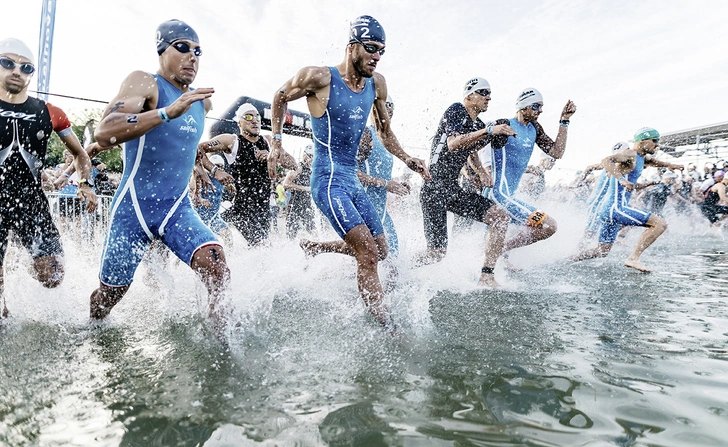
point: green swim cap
(646, 133)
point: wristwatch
(86, 181)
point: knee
(211, 265)
(497, 218)
(549, 227)
(660, 223)
(219, 272)
(369, 256)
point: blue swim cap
(365, 29)
(173, 30)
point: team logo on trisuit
(190, 124)
(17, 115)
(357, 113)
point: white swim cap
(527, 97)
(15, 46)
(474, 85)
(243, 109)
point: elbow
(104, 138)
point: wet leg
(209, 262)
(497, 221)
(656, 225)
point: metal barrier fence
(70, 215)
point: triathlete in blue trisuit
(601, 186)
(510, 159)
(375, 173)
(339, 99)
(613, 211)
(161, 119)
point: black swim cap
(171, 31)
(366, 28)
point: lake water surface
(586, 354)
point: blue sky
(625, 64)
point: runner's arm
(306, 83)
(619, 165)
(722, 194)
(82, 162)
(289, 182)
(468, 140)
(132, 113)
(223, 142)
(556, 148)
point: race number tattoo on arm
(111, 119)
(116, 107)
(132, 119)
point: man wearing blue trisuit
(510, 160)
(339, 100)
(375, 173)
(601, 186)
(161, 119)
(613, 211)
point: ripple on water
(580, 354)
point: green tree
(111, 158)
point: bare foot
(310, 248)
(104, 299)
(488, 280)
(637, 265)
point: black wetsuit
(250, 213)
(710, 207)
(443, 193)
(657, 197)
(24, 133)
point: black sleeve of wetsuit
(542, 140)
